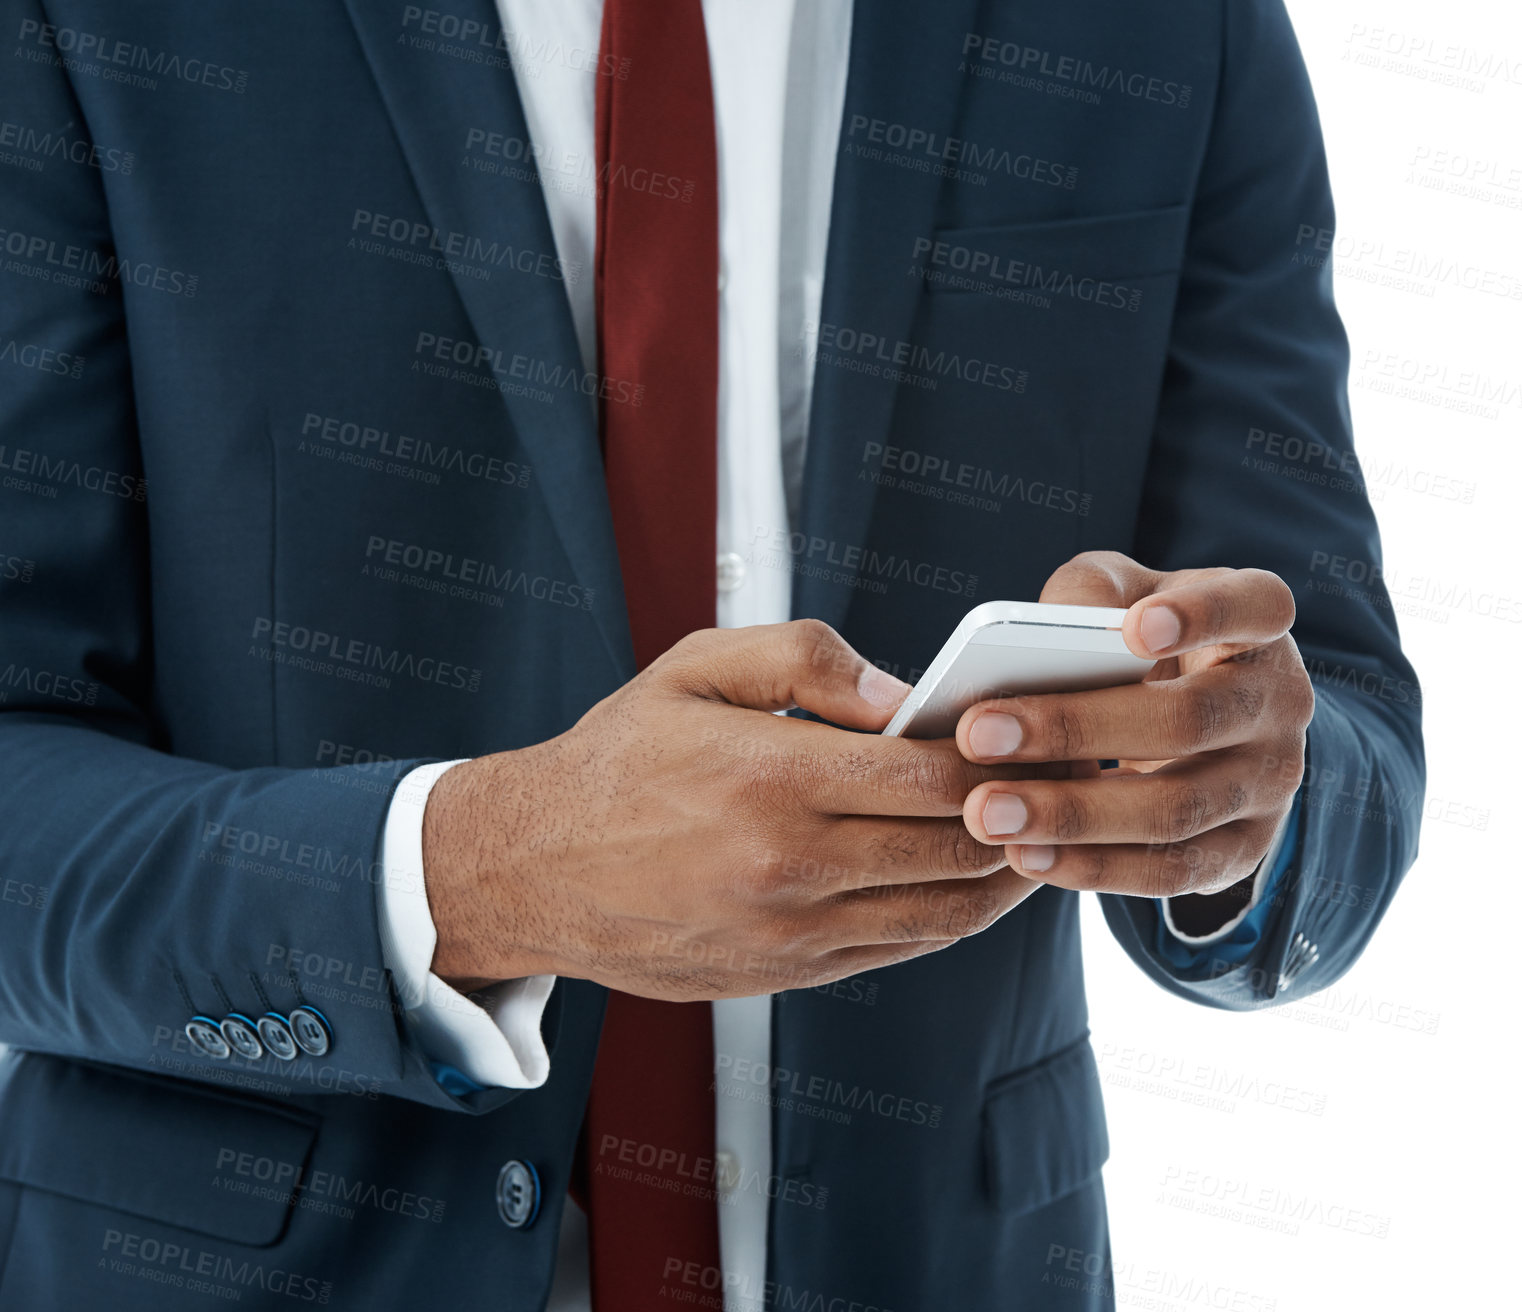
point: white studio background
(1359, 1149)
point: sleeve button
(310, 1029)
(241, 1036)
(277, 1037)
(206, 1038)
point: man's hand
(683, 842)
(1211, 747)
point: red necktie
(647, 1169)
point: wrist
(481, 886)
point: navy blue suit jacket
(221, 391)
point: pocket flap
(1106, 247)
(150, 1147)
(1044, 1129)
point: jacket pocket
(1044, 1129)
(204, 1161)
(1063, 257)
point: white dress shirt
(778, 72)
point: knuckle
(1247, 699)
(932, 775)
(1235, 801)
(893, 849)
(689, 653)
(1071, 818)
(1056, 729)
(1088, 868)
(1215, 611)
(1255, 838)
(1195, 719)
(761, 877)
(1092, 564)
(1170, 873)
(1090, 576)
(1070, 732)
(813, 646)
(698, 647)
(962, 853)
(758, 770)
(893, 914)
(1186, 811)
(1302, 697)
(970, 912)
(779, 938)
(853, 764)
(1289, 754)
(1206, 866)
(904, 929)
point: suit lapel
(432, 99)
(877, 210)
(903, 71)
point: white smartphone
(1003, 648)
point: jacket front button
(518, 1194)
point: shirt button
(731, 571)
(726, 1171)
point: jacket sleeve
(141, 888)
(1253, 465)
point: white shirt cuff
(497, 1044)
(1259, 879)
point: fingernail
(1160, 628)
(1037, 858)
(881, 688)
(1004, 814)
(995, 734)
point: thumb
(772, 667)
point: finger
(912, 913)
(860, 852)
(844, 962)
(772, 667)
(1212, 708)
(1170, 805)
(1100, 578)
(1205, 864)
(852, 774)
(747, 974)
(1235, 609)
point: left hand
(1211, 746)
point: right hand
(681, 842)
